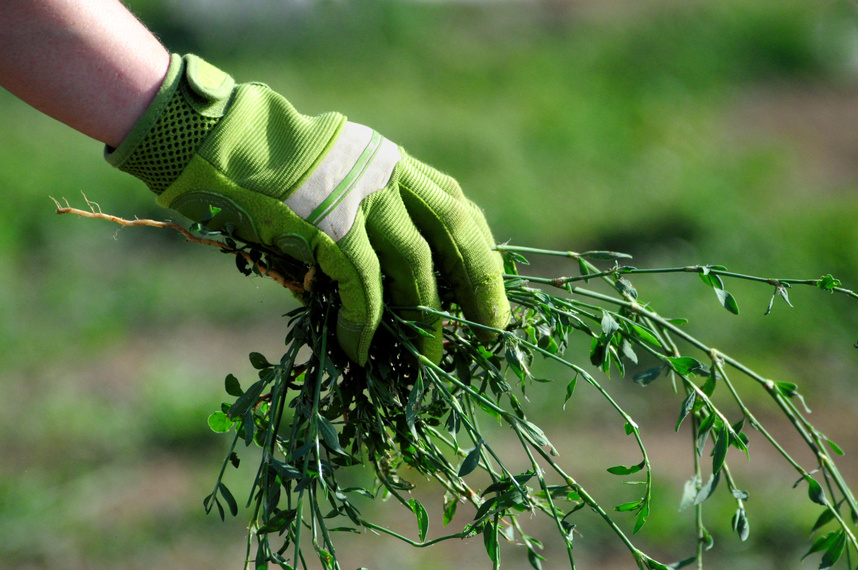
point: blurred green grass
(681, 133)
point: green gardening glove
(320, 189)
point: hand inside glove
(320, 189)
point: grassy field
(678, 132)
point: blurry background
(679, 132)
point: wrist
(187, 106)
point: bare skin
(87, 63)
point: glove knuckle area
(404, 255)
(421, 175)
(462, 241)
(353, 264)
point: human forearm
(87, 63)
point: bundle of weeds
(313, 415)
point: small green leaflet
(724, 296)
(609, 324)
(258, 361)
(247, 400)
(630, 506)
(623, 470)
(233, 388)
(329, 435)
(719, 454)
(687, 406)
(833, 544)
(471, 460)
(533, 433)
(706, 490)
(815, 492)
(412, 408)
(450, 504)
(647, 377)
(230, 500)
(220, 422)
(570, 389)
(644, 333)
(604, 255)
(741, 525)
(422, 517)
(490, 539)
(828, 282)
(687, 365)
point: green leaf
(490, 539)
(533, 433)
(711, 279)
(422, 517)
(683, 563)
(685, 409)
(327, 559)
(655, 565)
(834, 447)
(261, 561)
(515, 361)
(220, 422)
(451, 502)
(625, 287)
(824, 518)
(605, 255)
(230, 500)
(484, 509)
(815, 492)
(719, 454)
(233, 388)
(727, 300)
(583, 268)
(823, 543)
(350, 529)
(609, 324)
(741, 525)
(644, 333)
(689, 493)
(534, 558)
(647, 377)
(834, 552)
(709, 386)
(642, 516)
(258, 361)
(686, 365)
(412, 408)
(630, 506)
(249, 429)
(570, 389)
(286, 471)
(788, 389)
(706, 490)
(472, 460)
(278, 522)
(247, 400)
(828, 282)
(628, 352)
(329, 435)
(489, 410)
(623, 470)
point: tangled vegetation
(312, 415)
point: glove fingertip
(354, 339)
(492, 308)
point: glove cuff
(190, 102)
